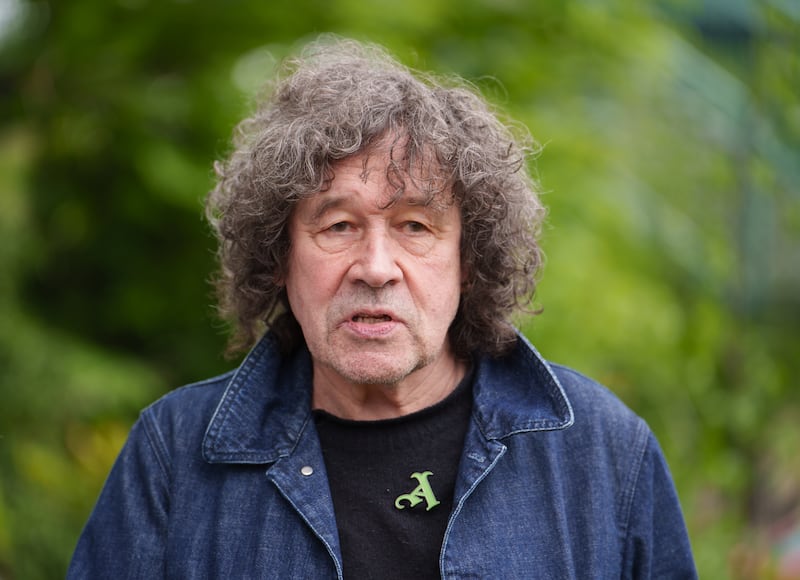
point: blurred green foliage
(672, 170)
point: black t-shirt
(392, 485)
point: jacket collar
(267, 402)
(264, 408)
(519, 393)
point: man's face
(374, 290)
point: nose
(376, 263)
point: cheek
(444, 292)
(298, 288)
(311, 283)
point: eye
(339, 228)
(337, 236)
(415, 227)
(417, 237)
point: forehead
(390, 177)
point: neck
(371, 402)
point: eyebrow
(333, 201)
(326, 205)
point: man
(377, 229)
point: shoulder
(194, 397)
(609, 447)
(591, 399)
(606, 433)
(523, 392)
(184, 413)
(599, 414)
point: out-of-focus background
(671, 161)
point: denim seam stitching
(157, 444)
(629, 490)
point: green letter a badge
(422, 492)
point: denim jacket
(225, 479)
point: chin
(371, 370)
(374, 376)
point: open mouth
(368, 319)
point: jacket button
(306, 470)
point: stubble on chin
(357, 364)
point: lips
(372, 323)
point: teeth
(371, 319)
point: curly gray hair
(340, 98)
